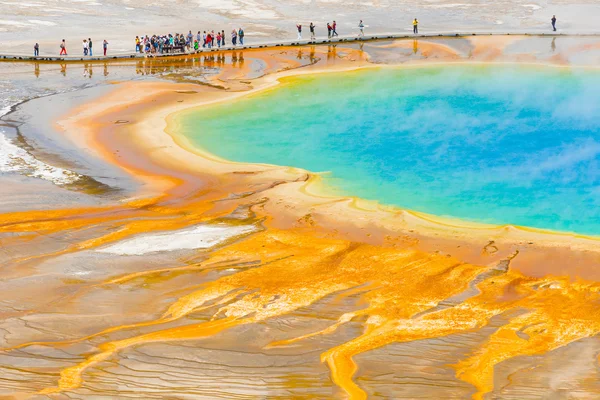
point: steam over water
(498, 145)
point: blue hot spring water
(495, 144)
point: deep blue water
(494, 144)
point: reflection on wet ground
(297, 301)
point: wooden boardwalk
(286, 43)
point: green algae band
(495, 144)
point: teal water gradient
(494, 144)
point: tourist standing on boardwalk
(137, 44)
(299, 27)
(219, 39)
(312, 31)
(553, 23)
(63, 48)
(361, 27)
(234, 37)
(190, 39)
(241, 36)
(105, 46)
(329, 30)
(334, 29)
(90, 46)
(415, 26)
(223, 38)
(36, 50)
(85, 47)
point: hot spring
(493, 144)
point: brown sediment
(418, 277)
(425, 47)
(491, 48)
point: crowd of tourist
(169, 43)
(179, 42)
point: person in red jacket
(334, 29)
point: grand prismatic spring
(394, 219)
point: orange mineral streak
(135, 217)
(71, 378)
(559, 312)
(121, 227)
(402, 304)
(302, 271)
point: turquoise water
(503, 145)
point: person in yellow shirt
(415, 26)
